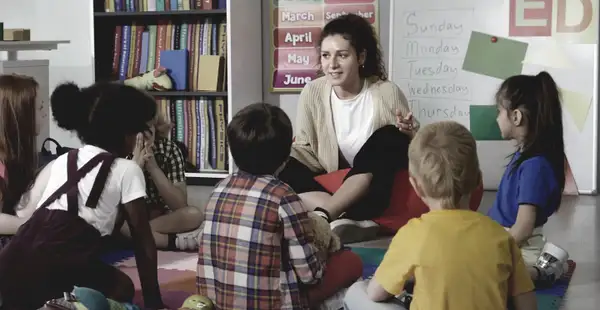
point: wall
(73, 20)
(288, 101)
(56, 20)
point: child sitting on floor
(459, 259)
(175, 225)
(59, 246)
(257, 249)
(529, 112)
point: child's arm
(523, 227)
(538, 192)
(133, 192)
(9, 224)
(520, 285)
(397, 266)
(302, 251)
(171, 184)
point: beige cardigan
(315, 143)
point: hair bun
(69, 107)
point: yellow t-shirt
(460, 259)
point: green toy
(197, 302)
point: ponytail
(550, 118)
(540, 100)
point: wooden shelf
(161, 13)
(205, 178)
(208, 175)
(12, 47)
(188, 94)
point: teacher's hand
(405, 123)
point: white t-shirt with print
(124, 184)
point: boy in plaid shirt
(175, 225)
(256, 250)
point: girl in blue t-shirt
(529, 112)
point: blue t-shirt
(533, 183)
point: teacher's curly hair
(363, 38)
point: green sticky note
(494, 56)
(483, 123)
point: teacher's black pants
(383, 155)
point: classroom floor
(576, 227)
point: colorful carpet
(176, 274)
(548, 299)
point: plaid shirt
(171, 162)
(254, 252)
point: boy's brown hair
(443, 160)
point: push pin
(494, 39)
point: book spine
(180, 120)
(213, 136)
(117, 50)
(198, 136)
(207, 4)
(221, 143)
(177, 37)
(173, 114)
(125, 52)
(151, 5)
(160, 42)
(138, 50)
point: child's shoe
(156, 79)
(551, 265)
(188, 241)
(351, 231)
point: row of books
(193, 54)
(200, 125)
(162, 5)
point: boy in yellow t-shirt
(459, 259)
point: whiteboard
(441, 60)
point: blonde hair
(162, 126)
(443, 159)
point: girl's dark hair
(538, 98)
(18, 130)
(103, 114)
(363, 38)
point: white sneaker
(351, 231)
(552, 265)
(188, 241)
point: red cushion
(342, 270)
(404, 204)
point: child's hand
(150, 159)
(140, 154)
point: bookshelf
(201, 108)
